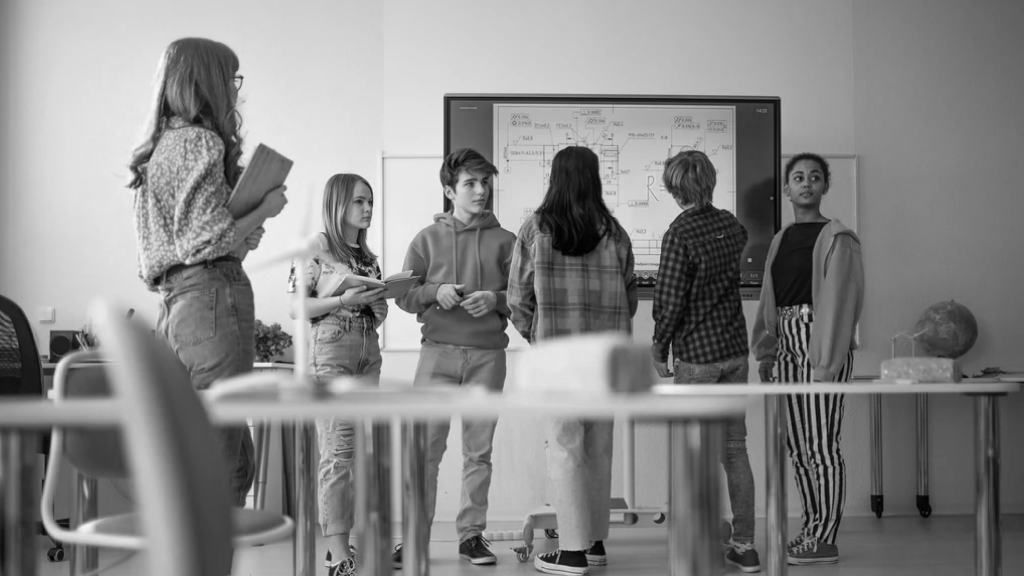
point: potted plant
(271, 341)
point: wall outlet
(47, 314)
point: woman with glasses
(183, 171)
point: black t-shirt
(793, 268)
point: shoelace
(807, 545)
(476, 541)
(797, 541)
(741, 547)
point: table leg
(18, 501)
(775, 472)
(415, 551)
(877, 500)
(988, 539)
(261, 439)
(693, 498)
(924, 507)
(306, 464)
(373, 497)
(85, 507)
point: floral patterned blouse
(324, 273)
(181, 214)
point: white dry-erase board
(410, 195)
(841, 200)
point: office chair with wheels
(166, 444)
(21, 373)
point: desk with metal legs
(695, 428)
(988, 539)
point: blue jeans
(734, 456)
(340, 347)
(458, 366)
(208, 318)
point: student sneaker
(596, 555)
(562, 563)
(810, 551)
(744, 557)
(346, 567)
(475, 550)
(396, 558)
(328, 560)
(797, 541)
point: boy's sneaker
(596, 555)
(475, 550)
(744, 557)
(346, 567)
(810, 551)
(562, 563)
(396, 558)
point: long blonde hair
(194, 81)
(338, 194)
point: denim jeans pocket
(192, 317)
(328, 333)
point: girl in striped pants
(810, 304)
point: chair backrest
(180, 478)
(95, 452)
(21, 371)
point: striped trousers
(815, 426)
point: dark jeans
(734, 457)
(208, 318)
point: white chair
(166, 444)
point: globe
(946, 330)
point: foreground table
(695, 433)
(987, 546)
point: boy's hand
(480, 302)
(765, 371)
(662, 368)
(449, 295)
(360, 296)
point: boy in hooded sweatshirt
(463, 261)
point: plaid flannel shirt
(551, 294)
(697, 309)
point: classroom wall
(940, 133)
(340, 83)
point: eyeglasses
(238, 81)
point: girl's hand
(380, 310)
(273, 202)
(360, 296)
(480, 303)
(252, 241)
(766, 371)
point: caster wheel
(551, 534)
(924, 506)
(55, 554)
(523, 552)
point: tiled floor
(912, 546)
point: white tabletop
(302, 403)
(992, 386)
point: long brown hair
(573, 209)
(338, 195)
(194, 81)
